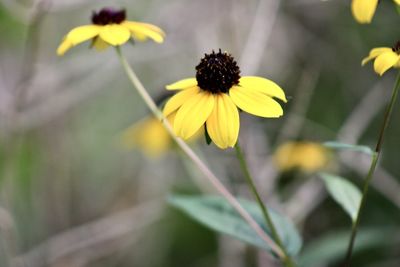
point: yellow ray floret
(223, 123)
(385, 58)
(364, 10)
(114, 31)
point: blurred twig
(259, 34)
(7, 228)
(80, 241)
(363, 114)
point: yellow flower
(364, 10)
(214, 96)
(151, 137)
(385, 58)
(110, 28)
(305, 156)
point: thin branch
(259, 35)
(82, 239)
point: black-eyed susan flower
(385, 58)
(150, 136)
(109, 28)
(364, 10)
(214, 96)
(305, 156)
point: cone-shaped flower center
(217, 72)
(396, 48)
(108, 16)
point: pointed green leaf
(343, 192)
(207, 136)
(356, 148)
(331, 247)
(216, 213)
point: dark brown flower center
(217, 72)
(108, 15)
(396, 48)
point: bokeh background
(72, 195)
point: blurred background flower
(150, 136)
(305, 156)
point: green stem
(372, 168)
(250, 181)
(195, 159)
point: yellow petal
(264, 86)
(142, 31)
(397, 2)
(182, 84)
(193, 114)
(223, 123)
(64, 47)
(374, 53)
(179, 99)
(99, 44)
(83, 33)
(385, 61)
(115, 34)
(364, 10)
(255, 102)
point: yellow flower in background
(150, 136)
(214, 97)
(364, 10)
(305, 156)
(385, 58)
(110, 28)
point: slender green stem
(195, 159)
(287, 259)
(372, 168)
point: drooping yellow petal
(179, 99)
(255, 103)
(142, 31)
(115, 34)
(264, 86)
(223, 124)
(99, 44)
(64, 47)
(364, 10)
(374, 53)
(83, 33)
(193, 114)
(397, 2)
(182, 84)
(385, 61)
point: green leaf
(207, 136)
(344, 193)
(356, 148)
(398, 9)
(332, 247)
(216, 213)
